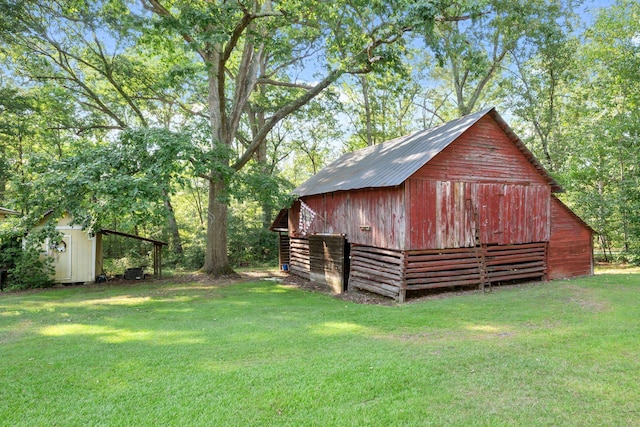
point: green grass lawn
(258, 354)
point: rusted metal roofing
(391, 163)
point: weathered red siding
(444, 214)
(484, 153)
(373, 217)
(570, 245)
(513, 214)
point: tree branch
(283, 112)
(271, 82)
(156, 7)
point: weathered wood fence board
(515, 262)
(377, 270)
(299, 252)
(393, 273)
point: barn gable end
(483, 153)
(481, 181)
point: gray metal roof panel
(387, 164)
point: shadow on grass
(258, 353)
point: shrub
(132, 259)
(31, 269)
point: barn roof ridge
(391, 163)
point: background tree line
(191, 121)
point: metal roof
(391, 163)
(107, 232)
(281, 223)
(5, 211)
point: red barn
(464, 203)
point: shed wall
(80, 259)
(373, 217)
(570, 245)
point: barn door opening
(329, 261)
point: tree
(604, 126)
(471, 51)
(380, 106)
(536, 89)
(110, 80)
(309, 138)
(30, 136)
(232, 40)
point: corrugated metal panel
(393, 162)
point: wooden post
(157, 260)
(402, 295)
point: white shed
(77, 257)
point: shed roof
(5, 211)
(391, 163)
(281, 223)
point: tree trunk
(367, 109)
(176, 242)
(262, 159)
(216, 260)
(4, 169)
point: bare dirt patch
(353, 295)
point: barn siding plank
(377, 270)
(570, 245)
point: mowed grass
(259, 354)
